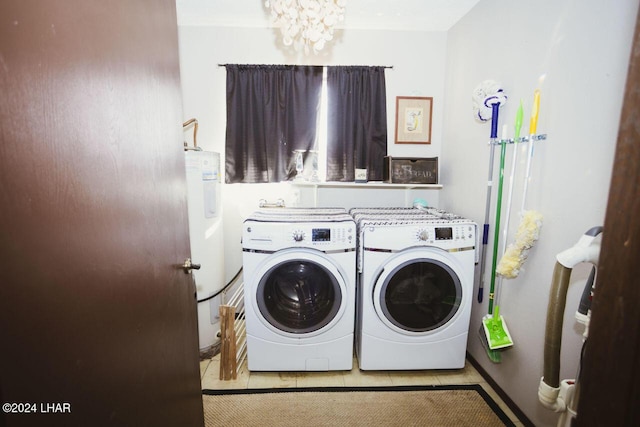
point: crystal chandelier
(306, 23)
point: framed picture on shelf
(413, 119)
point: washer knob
(298, 236)
(423, 235)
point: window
(274, 110)
(356, 122)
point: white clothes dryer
(393, 212)
(415, 293)
(300, 279)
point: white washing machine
(298, 211)
(415, 292)
(300, 278)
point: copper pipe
(195, 132)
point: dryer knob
(298, 236)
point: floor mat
(458, 405)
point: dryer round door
(300, 292)
(418, 291)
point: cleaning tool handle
(533, 123)
(494, 119)
(518, 124)
(487, 213)
(496, 233)
(511, 181)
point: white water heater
(205, 233)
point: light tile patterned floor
(210, 371)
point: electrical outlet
(295, 197)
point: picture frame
(413, 119)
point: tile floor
(210, 369)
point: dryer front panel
(417, 295)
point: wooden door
(610, 378)
(97, 319)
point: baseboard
(505, 398)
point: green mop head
(494, 355)
(496, 331)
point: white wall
(418, 61)
(583, 48)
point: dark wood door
(610, 378)
(96, 314)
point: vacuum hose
(553, 331)
(552, 393)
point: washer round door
(300, 292)
(418, 292)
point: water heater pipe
(195, 133)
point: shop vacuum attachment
(562, 396)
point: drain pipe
(552, 393)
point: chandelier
(306, 23)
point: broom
(531, 221)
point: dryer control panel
(447, 235)
(457, 233)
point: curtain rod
(292, 65)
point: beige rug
(464, 405)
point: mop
(493, 323)
(488, 97)
(531, 221)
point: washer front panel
(299, 296)
(299, 292)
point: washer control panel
(317, 234)
(298, 235)
(322, 236)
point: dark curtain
(272, 110)
(357, 122)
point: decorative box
(410, 170)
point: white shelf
(366, 185)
